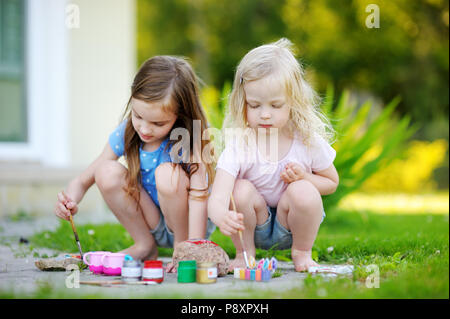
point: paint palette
(72, 256)
(261, 272)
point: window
(13, 109)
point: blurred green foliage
(407, 56)
(358, 135)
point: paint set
(261, 272)
(201, 272)
(189, 271)
(133, 271)
(72, 256)
(104, 262)
(152, 271)
(118, 264)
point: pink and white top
(240, 161)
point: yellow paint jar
(206, 273)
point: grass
(411, 252)
(20, 216)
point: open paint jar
(206, 273)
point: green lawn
(411, 252)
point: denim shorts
(164, 237)
(273, 235)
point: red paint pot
(153, 271)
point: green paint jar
(187, 271)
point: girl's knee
(110, 175)
(243, 191)
(304, 196)
(170, 179)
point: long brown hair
(164, 78)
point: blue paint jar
(266, 275)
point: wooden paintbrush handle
(240, 234)
(232, 203)
(234, 208)
(73, 228)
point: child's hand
(65, 206)
(292, 172)
(231, 222)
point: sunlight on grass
(436, 203)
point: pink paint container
(112, 263)
(247, 274)
(94, 260)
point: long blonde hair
(278, 59)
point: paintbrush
(76, 236)
(118, 282)
(240, 234)
(75, 232)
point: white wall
(78, 79)
(101, 64)
(78, 82)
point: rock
(56, 264)
(202, 251)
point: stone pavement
(20, 277)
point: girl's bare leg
(172, 184)
(253, 206)
(300, 210)
(110, 179)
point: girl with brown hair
(160, 203)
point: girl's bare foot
(237, 262)
(302, 259)
(152, 255)
(141, 253)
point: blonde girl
(278, 192)
(159, 203)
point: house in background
(65, 73)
